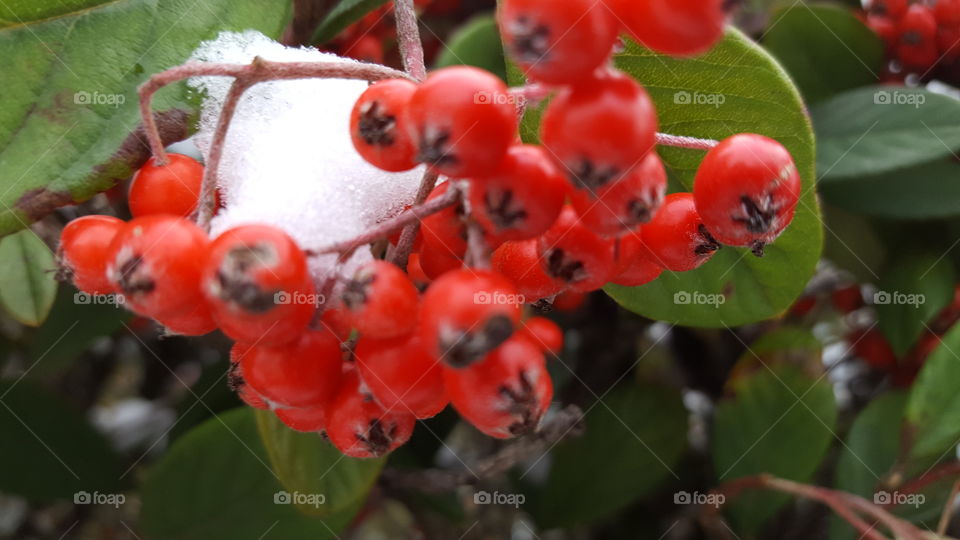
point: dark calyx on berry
(356, 292)
(706, 243)
(564, 268)
(503, 211)
(378, 438)
(434, 149)
(523, 404)
(132, 280)
(461, 349)
(235, 379)
(377, 127)
(531, 41)
(758, 218)
(586, 175)
(641, 209)
(236, 285)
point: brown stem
(401, 254)
(939, 472)
(948, 510)
(408, 34)
(478, 250)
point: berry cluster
(919, 35)
(373, 37)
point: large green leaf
(306, 463)
(345, 13)
(912, 292)
(881, 129)
(70, 72)
(27, 284)
(634, 438)
(49, 450)
(934, 407)
(825, 48)
(750, 93)
(478, 44)
(779, 422)
(215, 482)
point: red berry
(196, 322)
(674, 27)
(155, 262)
(312, 420)
(416, 272)
(803, 306)
(948, 42)
(747, 190)
(258, 286)
(847, 299)
(520, 263)
(365, 48)
(444, 237)
(543, 333)
(381, 301)
(676, 237)
(84, 250)
(600, 130)
(237, 383)
(633, 264)
(947, 12)
(575, 255)
(569, 301)
(466, 314)
(359, 427)
(522, 199)
(301, 374)
(173, 188)
(402, 375)
(462, 120)
(873, 348)
(378, 125)
(918, 38)
(623, 205)
(557, 42)
(888, 8)
(507, 393)
(885, 28)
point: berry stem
(680, 141)
(478, 250)
(401, 253)
(408, 34)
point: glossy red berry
(674, 27)
(522, 199)
(444, 237)
(948, 42)
(885, 28)
(465, 314)
(462, 120)
(918, 37)
(301, 374)
(600, 130)
(155, 262)
(873, 348)
(173, 188)
(676, 237)
(847, 299)
(520, 263)
(569, 301)
(557, 42)
(544, 333)
(378, 125)
(574, 255)
(621, 206)
(402, 375)
(196, 322)
(238, 384)
(507, 393)
(256, 281)
(747, 190)
(84, 250)
(381, 301)
(312, 420)
(947, 12)
(365, 48)
(359, 427)
(633, 264)
(888, 8)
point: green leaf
(49, 450)
(476, 43)
(779, 422)
(757, 96)
(853, 244)
(912, 292)
(215, 482)
(27, 283)
(825, 48)
(934, 407)
(306, 463)
(71, 71)
(879, 129)
(640, 432)
(345, 13)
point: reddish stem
(401, 254)
(679, 141)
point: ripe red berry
(520, 263)
(462, 120)
(633, 264)
(747, 190)
(381, 301)
(378, 125)
(623, 205)
(674, 27)
(444, 237)
(918, 37)
(155, 262)
(466, 314)
(543, 333)
(312, 420)
(873, 348)
(256, 281)
(402, 375)
(557, 42)
(569, 301)
(676, 236)
(365, 48)
(847, 299)
(238, 384)
(196, 322)
(173, 188)
(600, 130)
(84, 250)
(888, 8)
(522, 199)
(575, 255)
(885, 28)
(359, 427)
(507, 393)
(948, 42)
(302, 374)
(947, 12)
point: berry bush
(475, 269)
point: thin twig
(408, 35)
(948, 510)
(401, 254)
(679, 141)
